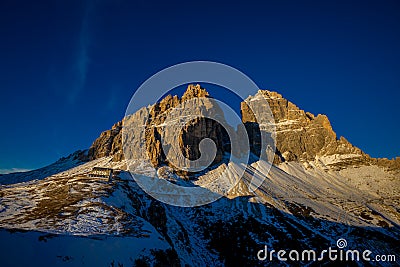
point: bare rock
(301, 136)
(109, 143)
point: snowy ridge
(62, 164)
(299, 203)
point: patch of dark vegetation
(160, 258)
(166, 258)
(299, 210)
(183, 236)
(142, 262)
(44, 238)
(365, 216)
(116, 264)
(382, 223)
(13, 230)
(234, 242)
(65, 258)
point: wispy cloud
(82, 59)
(11, 170)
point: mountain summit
(300, 135)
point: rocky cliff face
(300, 136)
(109, 143)
(149, 125)
(190, 133)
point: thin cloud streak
(80, 66)
(11, 170)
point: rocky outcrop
(109, 143)
(186, 135)
(150, 125)
(301, 136)
(389, 164)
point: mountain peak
(269, 94)
(300, 135)
(194, 91)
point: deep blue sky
(69, 68)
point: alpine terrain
(88, 210)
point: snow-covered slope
(75, 159)
(44, 249)
(80, 220)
